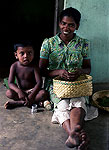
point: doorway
(25, 19)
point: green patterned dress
(62, 56)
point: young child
(27, 90)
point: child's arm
(38, 85)
(11, 82)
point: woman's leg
(66, 126)
(77, 136)
(73, 126)
(77, 117)
(72, 123)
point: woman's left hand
(72, 76)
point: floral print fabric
(62, 56)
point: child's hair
(71, 12)
(23, 43)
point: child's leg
(41, 96)
(15, 102)
(12, 95)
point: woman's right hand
(68, 76)
(63, 74)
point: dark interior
(24, 19)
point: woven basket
(100, 94)
(67, 89)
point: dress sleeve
(44, 52)
(86, 49)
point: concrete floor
(20, 130)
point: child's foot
(74, 138)
(13, 104)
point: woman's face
(67, 27)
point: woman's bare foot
(72, 141)
(74, 138)
(13, 104)
(84, 141)
(78, 139)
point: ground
(21, 130)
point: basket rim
(57, 80)
(101, 91)
(96, 95)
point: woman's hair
(71, 12)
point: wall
(94, 26)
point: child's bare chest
(25, 73)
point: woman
(60, 55)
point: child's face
(25, 55)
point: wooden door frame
(59, 5)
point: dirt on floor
(21, 130)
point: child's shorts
(62, 110)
